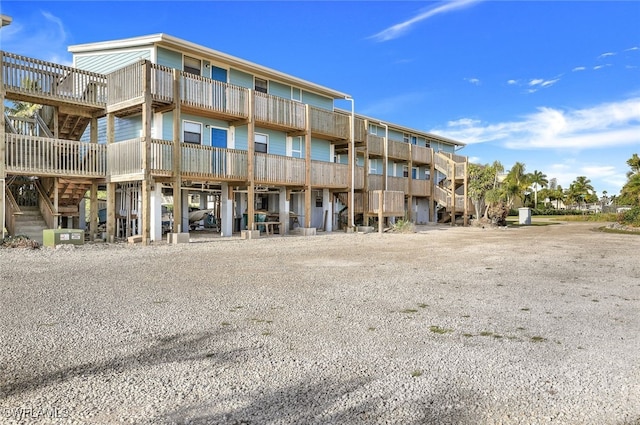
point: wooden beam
(146, 157)
(251, 150)
(111, 187)
(307, 159)
(177, 156)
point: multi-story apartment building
(156, 119)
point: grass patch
(467, 335)
(266, 333)
(422, 305)
(225, 324)
(525, 309)
(409, 310)
(439, 330)
(416, 373)
(537, 339)
(486, 333)
(371, 328)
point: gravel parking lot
(527, 325)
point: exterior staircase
(30, 223)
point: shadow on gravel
(329, 401)
(176, 348)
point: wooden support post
(56, 202)
(177, 157)
(93, 195)
(452, 165)
(111, 187)
(3, 154)
(380, 211)
(432, 182)
(146, 157)
(466, 192)
(410, 216)
(56, 122)
(365, 189)
(307, 161)
(251, 158)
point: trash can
(524, 215)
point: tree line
(489, 185)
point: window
(414, 140)
(405, 138)
(192, 65)
(296, 94)
(192, 132)
(261, 142)
(373, 166)
(414, 173)
(261, 85)
(296, 147)
(405, 171)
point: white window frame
(373, 166)
(185, 123)
(266, 143)
(296, 153)
(296, 98)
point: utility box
(524, 215)
(53, 237)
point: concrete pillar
(82, 220)
(226, 210)
(327, 208)
(184, 202)
(283, 207)
(156, 213)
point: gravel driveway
(526, 325)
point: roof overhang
(6, 20)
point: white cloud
(474, 81)
(44, 38)
(536, 81)
(579, 68)
(632, 48)
(608, 124)
(512, 82)
(604, 55)
(401, 28)
(565, 173)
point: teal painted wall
(320, 150)
(241, 138)
(105, 63)
(169, 58)
(240, 78)
(280, 90)
(317, 100)
(277, 141)
(167, 126)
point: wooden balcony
(399, 150)
(329, 125)
(279, 113)
(386, 202)
(421, 155)
(45, 83)
(43, 156)
(124, 160)
(375, 145)
(198, 95)
(420, 188)
(277, 169)
(330, 175)
(358, 178)
(209, 163)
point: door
(218, 137)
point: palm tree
(581, 189)
(515, 183)
(538, 180)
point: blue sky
(555, 85)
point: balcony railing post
(177, 154)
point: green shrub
(630, 217)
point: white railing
(279, 169)
(208, 162)
(43, 155)
(40, 79)
(161, 157)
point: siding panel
(105, 63)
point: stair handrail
(42, 125)
(47, 209)
(8, 123)
(13, 209)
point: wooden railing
(125, 158)
(161, 157)
(329, 124)
(279, 169)
(47, 80)
(329, 174)
(209, 162)
(47, 209)
(421, 154)
(453, 157)
(205, 93)
(126, 83)
(161, 83)
(280, 111)
(390, 202)
(27, 126)
(399, 150)
(460, 169)
(442, 163)
(358, 178)
(43, 155)
(376, 182)
(442, 197)
(420, 187)
(12, 210)
(375, 145)
(360, 131)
